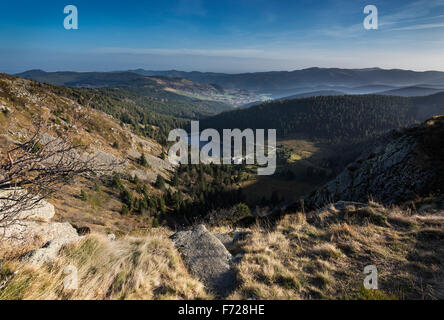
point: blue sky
(222, 36)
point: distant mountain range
(286, 83)
(154, 86)
(412, 91)
(219, 91)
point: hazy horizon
(205, 71)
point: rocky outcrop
(207, 259)
(411, 165)
(34, 228)
(65, 234)
(42, 211)
(33, 231)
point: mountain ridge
(274, 81)
(257, 86)
(153, 86)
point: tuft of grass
(326, 251)
(370, 294)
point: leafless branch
(35, 169)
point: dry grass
(146, 267)
(310, 256)
(323, 256)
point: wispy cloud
(415, 11)
(421, 26)
(203, 52)
(343, 32)
(406, 18)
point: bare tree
(35, 169)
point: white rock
(30, 231)
(43, 211)
(112, 237)
(51, 249)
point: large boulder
(33, 227)
(207, 259)
(53, 235)
(66, 234)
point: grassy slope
(305, 256)
(147, 267)
(324, 255)
(101, 211)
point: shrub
(175, 181)
(83, 196)
(366, 294)
(125, 209)
(36, 148)
(243, 210)
(142, 161)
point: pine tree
(142, 161)
(160, 182)
(162, 207)
(127, 198)
(175, 181)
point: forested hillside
(349, 118)
(142, 114)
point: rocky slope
(409, 167)
(21, 100)
(110, 141)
